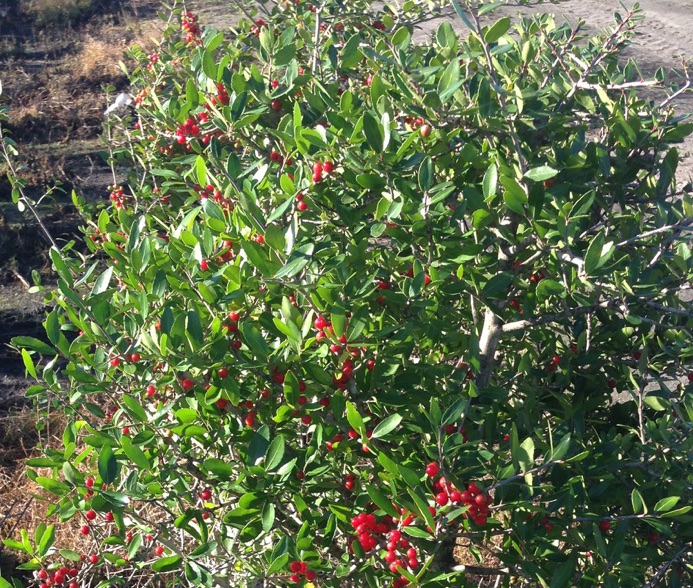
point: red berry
(135, 357)
(90, 514)
(84, 530)
(93, 558)
(223, 372)
(442, 498)
(204, 265)
(276, 104)
(306, 419)
(327, 167)
(159, 550)
(115, 362)
(605, 526)
(310, 575)
(206, 494)
(187, 384)
(295, 566)
(432, 469)
(302, 206)
(89, 482)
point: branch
(490, 335)
(654, 580)
(625, 86)
(680, 225)
(555, 317)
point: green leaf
(422, 507)
(45, 541)
(102, 282)
(373, 133)
(638, 503)
(298, 260)
(541, 173)
(657, 403)
(598, 253)
(134, 453)
(386, 426)
(426, 174)
(525, 454)
(449, 82)
(167, 564)
(355, 419)
(278, 564)
(497, 286)
(498, 29)
(561, 450)
(29, 364)
(350, 54)
(672, 514)
(108, 466)
(275, 453)
(268, 513)
(490, 183)
(381, 501)
(547, 288)
(53, 486)
(201, 170)
(33, 344)
(218, 467)
(562, 575)
(666, 504)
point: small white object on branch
(122, 101)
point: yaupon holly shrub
(363, 296)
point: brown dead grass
(50, 13)
(100, 54)
(23, 503)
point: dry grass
(101, 52)
(51, 13)
(24, 503)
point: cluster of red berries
(191, 28)
(222, 97)
(300, 568)
(62, 575)
(410, 274)
(319, 168)
(257, 27)
(413, 121)
(117, 196)
(210, 191)
(555, 360)
(188, 129)
(153, 60)
(400, 553)
(301, 204)
(473, 497)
